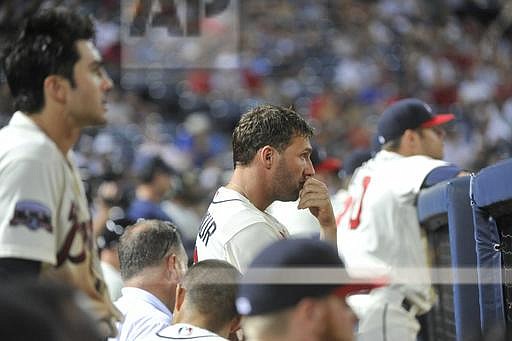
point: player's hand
(315, 196)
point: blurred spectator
(354, 160)
(109, 255)
(106, 204)
(154, 178)
(181, 206)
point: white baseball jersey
(44, 213)
(299, 222)
(234, 230)
(184, 331)
(379, 229)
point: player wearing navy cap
(380, 230)
(281, 300)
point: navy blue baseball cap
(410, 113)
(271, 294)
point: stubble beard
(284, 188)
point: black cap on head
(258, 299)
(410, 113)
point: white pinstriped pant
(384, 319)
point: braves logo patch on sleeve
(33, 215)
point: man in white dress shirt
(153, 261)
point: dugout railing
(446, 215)
(491, 198)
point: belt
(393, 296)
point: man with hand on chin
(271, 156)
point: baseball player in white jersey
(229, 213)
(58, 85)
(205, 304)
(380, 231)
(271, 153)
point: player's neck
(237, 188)
(195, 318)
(248, 184)
(56, 127)
(151, 281)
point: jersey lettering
(207, 228)
(346, 206)
(76, 228)
(196, 257)
(356, 220)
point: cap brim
(329, 165)
(438, 120)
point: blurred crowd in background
(338, 62)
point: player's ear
(235, 324)
(310, 309)
(267, 156)
(309, 314)
(409, 142)
(409, 136)
(172, 267)
(55, 88)
(180, 297)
